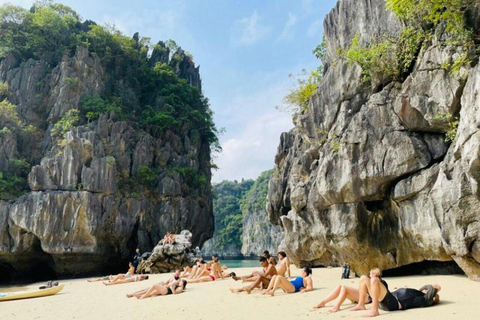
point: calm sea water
(241, 263)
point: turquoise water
(241, 263)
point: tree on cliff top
(151, 96)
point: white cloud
(253, 151)
(287, 33)
(248, 31)
(253, 129)
(314, 28)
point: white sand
(213, 300)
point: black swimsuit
(169, 291)
(389, 302)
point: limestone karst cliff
(115, 143)
(368, 176)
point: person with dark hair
(346, 271)
(262, 279)
(160, 289)
(136, 258)
(136, 278)
(299, 284)
(283, 266)
(215, 273)
(401, 299)
(269, 258)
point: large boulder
(170, 257)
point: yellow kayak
(5, 296)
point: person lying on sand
(136, 278)
(299, 284)
(129, 274)
(160, 289)
(283, 265)
(262, 280)
(343, 293)
(401, 299)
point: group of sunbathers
(122, 277)
(372, 289)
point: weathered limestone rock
(88, 209)
(169, 257)
(75, 77)
(367, 178)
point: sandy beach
(213, 300)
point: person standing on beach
(261, 280)
(136, 258)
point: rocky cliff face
(366, 177)
(82, 211)
(258, 233)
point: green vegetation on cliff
(227, 196)
(152, 91)
(233, 202)
(392, 58)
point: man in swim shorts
(262, 279)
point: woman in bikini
(129, 274)
(215, 273)
(160, 290)
(299, 284)
(136, 278)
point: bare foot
(334, 309)
(358, 307)
(236, 278)
(234, 290)
(129, 295)
(320, 305)
(272, 293)
(248, 291)
(371, 314)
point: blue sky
(246, 49)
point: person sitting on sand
(215, 273)
(199, 269)
(175, 277)
(299, 284)
(283, 266)
(343, 293)
(401, 299)
(129, 274)
(262, 279)
(136, 278)
(253, 276)
(270, 259)
(160, 289)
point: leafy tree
(228, 215)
